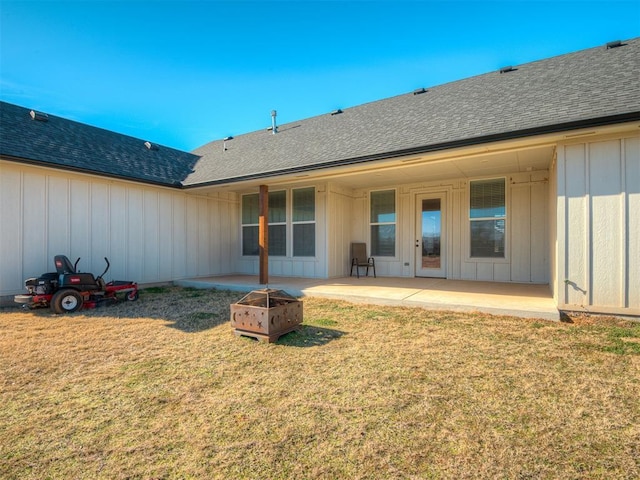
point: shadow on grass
(305, 336)
(565, 318)
(190, 312)
(184, 309)
(309, 336)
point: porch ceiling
(415, 170)
(468, 163)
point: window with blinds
(277, 224)
(487, 218)
(383, 223)
(300, 224)
(304, 222)
(250, 215)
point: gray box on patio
(266, 314)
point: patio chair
(359, 259)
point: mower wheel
(66, 301)
(132, 296)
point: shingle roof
(589, 87)
(77, 146)
(586, 88)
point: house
(530, 174)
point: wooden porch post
(263, 234)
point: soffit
(476, 166)
(404, 171)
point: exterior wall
(289, 266)
(150, 234)
(339, 229)
(528, 239)
(527, 250)
(599, 225)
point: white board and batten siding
(598, 214)
(340, 226)
(527, 250)
(150, 234)
(527, 225)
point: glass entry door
(430, 244)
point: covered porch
(521, 300)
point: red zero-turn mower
(67, 290)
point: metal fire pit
(266, 315)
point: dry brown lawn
(161, 388)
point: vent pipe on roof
(336, 112)
(274, 127)
(224, 142)
(419, 91)
(41, 117)
(150, 146)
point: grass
(161, 388)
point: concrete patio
(521, 300)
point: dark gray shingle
(77, 146)
(568, 89)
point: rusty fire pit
(266, 315)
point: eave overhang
(57, 166)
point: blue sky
(183, 73)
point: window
(304, 222)
(301, 224)
(383, 223)
(277, 223)
(250, 215)
(487, 218)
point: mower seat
(63, 265)
(68, 277)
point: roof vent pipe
(42, 117)
(274, 127)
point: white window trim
(305, 222)
(289, 223)
(242, 225)
(370, 224)
(285, 223)
(507, 233)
